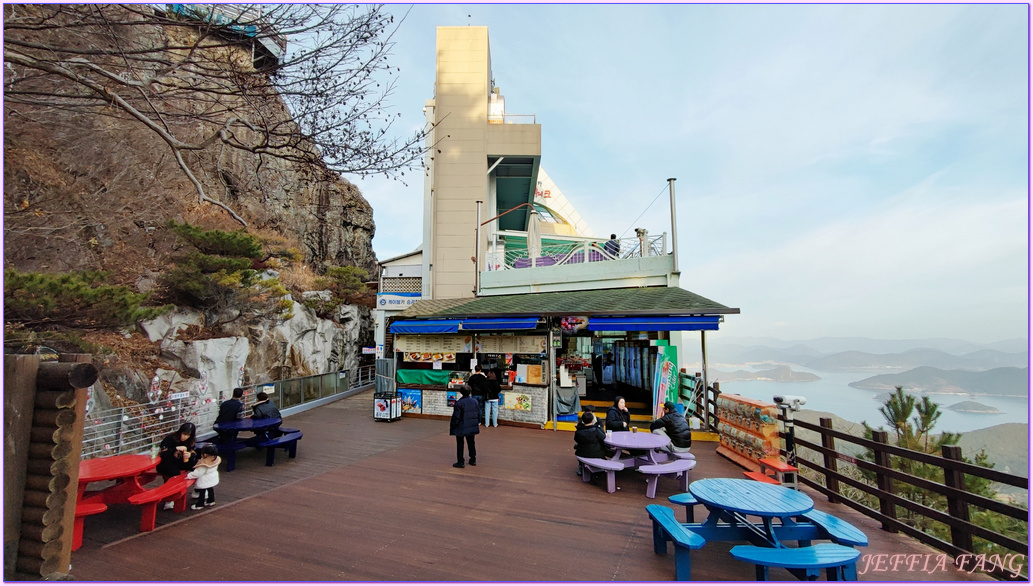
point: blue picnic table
(731, 500)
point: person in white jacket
(206, 472)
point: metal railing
(940, 513)
(573, 250)
(139, 428)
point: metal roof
(615, 302)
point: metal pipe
(706, 382)
(477, 253)
(674, 228)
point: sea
(832, 394)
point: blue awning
(441, 326)
(500, 323)
(653, 323)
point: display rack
(748, 430)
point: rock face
(89, 189)
(95, 190)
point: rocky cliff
(92, 188)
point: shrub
(79, 300)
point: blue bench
(677, 467)
(590, 465)
(840, 562)
(688, 501)
(287, 441)
(667, 528)
(229, 451)
(838, 530)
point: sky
(842, 170)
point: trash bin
(386, 406)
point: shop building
(512, 278)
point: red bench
(760, 477)
(82, 510)
(174, 490)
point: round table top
(643, 440)
(751, 497)
(114, 467)
(248, 424)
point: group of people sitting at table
(177, 453)
(590, 435)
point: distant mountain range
(1009, 382)
(778, 374)
(894, 357)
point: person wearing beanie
(673, 425)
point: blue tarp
(653, 323)
(500, 323)
(447, 326)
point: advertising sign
(397, 301)
(665, 379)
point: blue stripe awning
(654, 323)
(500, 323)
(441, 326)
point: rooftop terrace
(368, 500)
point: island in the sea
(974, 407)
(782, 374)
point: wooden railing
(827, 477)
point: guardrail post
(885, 483)
(711, 406)
(831, 461)
(957, 508)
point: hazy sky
(850, 170)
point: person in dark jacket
(230, 410)
(264, 407)
(589, 438)
(674, 426)
(478, 387)
(465, 423)
(491, 404)
(176, 451)
(618, 418)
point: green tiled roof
(631, 301)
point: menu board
(434, 344)
(511, 344)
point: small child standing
(206, 472)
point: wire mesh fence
(139, 428)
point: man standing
(465, 424)
(673, 425)
(478, 386)
(612, 246)
(230, 410)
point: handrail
(956, 517)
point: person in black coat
(618, 418)
(589, 438)
(176, 451)
(491, 404)
(465, 423)
(230, 410)
(478, 386)
(674, 426)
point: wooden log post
(831, 461)
(885, 483)
(956, 507)
(52, 468)
(712, 406)
(19, 392)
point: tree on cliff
(205, 79)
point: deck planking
(380, 501)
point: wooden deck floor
(368, 500)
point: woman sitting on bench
(177, 454)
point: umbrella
(534, 237)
